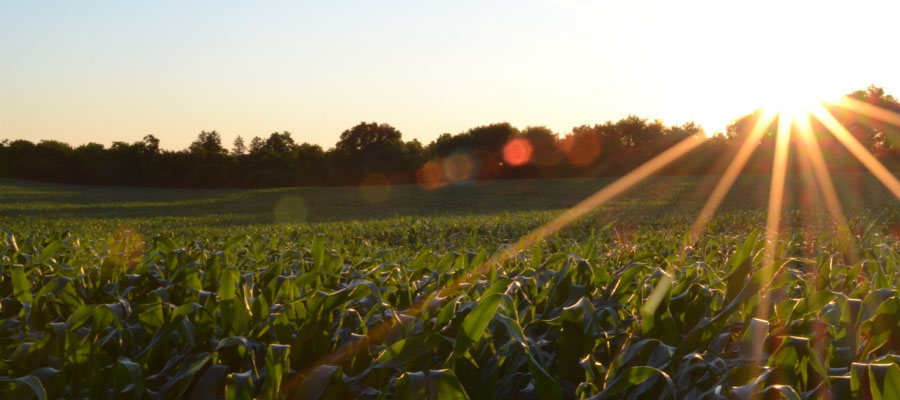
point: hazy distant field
(40, 206)
(329, 292)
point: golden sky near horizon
(96, 71)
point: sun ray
(379, 332)
(773, 217)
(868, 110)
(808, 195)
(731, 173)
(857, 149)
(825, 184)
(609, 192)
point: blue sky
(94, 71)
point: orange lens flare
(517, 152)
(431, 175)
(731, 173)
(857, 149)
(378, 333)
(578, 148)
(581, 148)
(773, 219)
(825, 183)
(869, 110)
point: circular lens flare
(517, 152)
(458, 167)
(580, 148)
(431, 175)
(375, 188)
(290, 208)
(126, 246)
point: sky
(100, 71)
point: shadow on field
(315, 204)
(678, 194)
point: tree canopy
(376, 153)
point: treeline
(373, 153)
(368, 153)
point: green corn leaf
(21, 285)
(476, 322)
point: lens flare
(377, 333)
(126, 246)
(290, 208)
(458, 167)
(826, 185)
(731, 173)
(431, 175)
(868, 110)
(857, 149)
(517, 152)
(580, 148)
(375, 188)
(773, 223)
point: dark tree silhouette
(256, 144)
(238, 148)
(208, 142)
(151, 144)
(373, 153)
(280, 142)
(368, 151)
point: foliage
(619, 305)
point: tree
(208, 142)
(368, 149)
(446, 144)
(150, 144)
(208, 163)
(238, 148)
(280, 142)
(257, 145)
(416, 155)
(876, 135)
(368, 136)
(491, 138)
(582, 147)
(374, 152)
(545, 152)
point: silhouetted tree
(546, 156)
(280, 142)
(256, 144)
(151, 144)
(238, 147)
(373, 153)
(368, 150)
(208, 142)
(210, 164)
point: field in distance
(384, 292)
(22, 203)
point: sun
(791, 106)
(788, 95)
(792, 100)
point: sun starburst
(793, 108)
